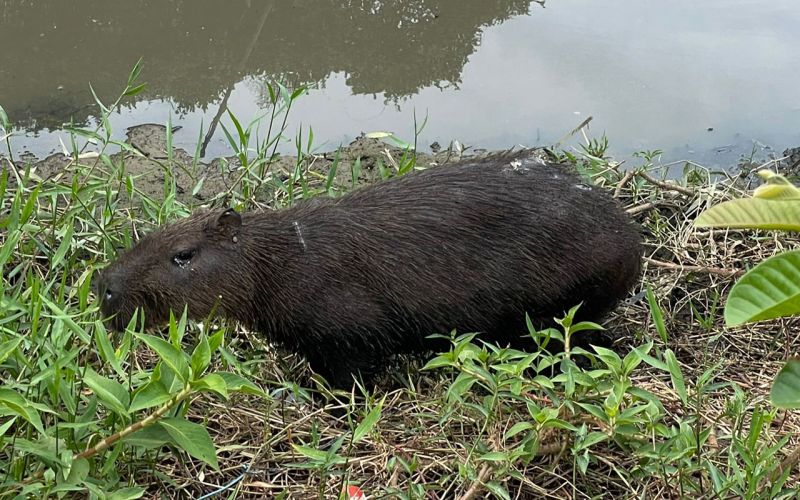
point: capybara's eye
(182, 258)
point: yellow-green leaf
(776, 186)
(753, 213)
(769, 290)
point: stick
(572, 132)
(666, 185)
(625, 180)
(694, 269)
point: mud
(198, 183)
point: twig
(694, 269)
(110, 440)
(640, 208)
(572, 132)
(477, 484)
(671, 186)
(623, 182)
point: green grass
(176, 413)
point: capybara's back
(471, 246)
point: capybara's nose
(105, 291)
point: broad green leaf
(6, 348)
(177, 328)
(584, 325)
(212, 382)
(135, 90)
(78, 471)
(517, 428)
(129, 493)
(609, 357)
(14, 403)
(149, 438)
(215, 340)
(110, 392)
(236, 383)
(591, 439)
(753, 213)
(171, 356)
(368, 423)
(152, 394)
(635, 357)
(201, 356)
(192, 438)
(462, 384)
(769, 290)
(785, 392)
(438, 362)
(595, 410)
(298, 92)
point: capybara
(349, 281)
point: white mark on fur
(519, 166)
(300, 235)
(582, 187)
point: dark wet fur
(348, 282)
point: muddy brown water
(708, 81)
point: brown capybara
(349, 281)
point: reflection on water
(490, 73)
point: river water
(707, 81)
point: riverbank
(680, 405)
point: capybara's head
(181, 264)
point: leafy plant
(78, 405)
(772, 288)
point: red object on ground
(355, 493)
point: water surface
(707, 81)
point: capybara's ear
(227, 223)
